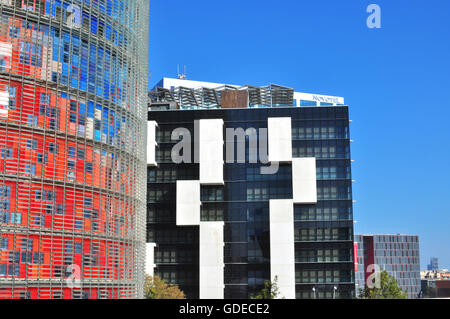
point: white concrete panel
(304, 180)
(4, 102)
(282, 248)
(188, 203)
(6, 49)
(151, 143)
(150, 259)
(211, 260)
(90, 128)
(211, 157)
(280, 139)
(98, 114)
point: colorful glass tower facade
(73, 111)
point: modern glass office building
(73, 99)
(220, 222)
(397, 254)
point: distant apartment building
(219, 226)
(397, 254)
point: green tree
(270, 290)
(388, 289)
(156, 288)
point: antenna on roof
(181, 76)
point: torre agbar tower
(73, 112)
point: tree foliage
(270, 290)
(156, 288)
(389, 289)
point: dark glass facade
(324, 255)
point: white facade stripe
(212, 260)
(150, 259)
(282, 248)
(188, 203)
(151, 143)
(211, 155)
(304, 180)
(280, 139)
(211, 242)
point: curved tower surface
(73, 112)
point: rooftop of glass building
(185, 94)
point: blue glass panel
(93, 25)
(91, 109)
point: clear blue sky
(395, 79)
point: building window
(31, 53)
(24, 294)
(27, 244)
(57, 295)
(78, 224)
(88, 201)
(38, 220)
(16, 218)
(71, 164)
(52, 148)
(307, 103)
(42, 158)
(78, 248)
(32, 144)
(212, 194)
(72, 152)
(60, 209)
(4, 243)
(7, 153)
(89, 167)
(30, 169)
(81, 154)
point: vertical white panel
(211, 260)
(211, 151)
(89, 128)
(151, 143)
(4, 102)
(304, 180)
(150, 259)
(282, 248)
(6, 49)
(188, 203)
(280, 139)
